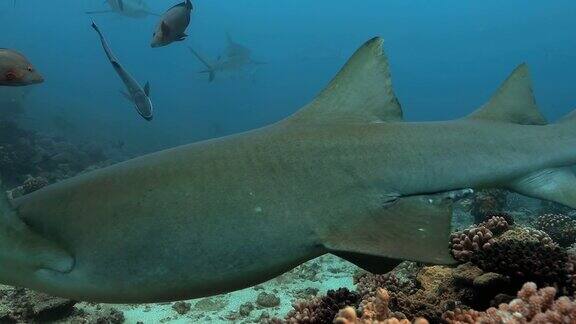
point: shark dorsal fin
(361, 92)
(513, 102)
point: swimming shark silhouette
(236, 57)
(128, 8)
(344, 175)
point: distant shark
(235, 58)
(128, 8)
(345, 175)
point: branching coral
(376, 311)
(524, 254)
(470, 241)
(323, 309)
(532, 306)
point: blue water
(447, 57)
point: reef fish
(138, 95)
(172, 25)
(16, 70)
(344, 175)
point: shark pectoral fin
(557, 185)
(373, 264)
(361, 92)
(415, 228)
(20, 247)
(513, 102)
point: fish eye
(30, 69)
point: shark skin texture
(344, 175)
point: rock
(22, 305)
(267, 300)
(490, 280)
(181, 307)
(466, 273)
(435, 277)
(210, 304)
(246, 309)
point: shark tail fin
(379, 237)
(210, 69)
(514, 102)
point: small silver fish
(16, 70)
(172, 25)
(138, 95)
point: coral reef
(18, 305)
(530, 306)
(323, 309)
(561, 228)
(524, 254)
(26, 155)
(486, 203)
(376, 311)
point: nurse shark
(344, 175)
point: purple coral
(464, 244)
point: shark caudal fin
(514, 102)
(210, 70)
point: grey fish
(172, 25)
(16, 70)
(344, 175)
(128, 8)
(236, 57)
(139, 96)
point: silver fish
(138, 95)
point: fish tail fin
(211, 74)
(210, 69)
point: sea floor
(270, 299)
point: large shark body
(345, 175)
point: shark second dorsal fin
(514, 101)
(361, 92)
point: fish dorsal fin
(360, 92)
(147, 89)
(513, 102)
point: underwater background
(447, 58)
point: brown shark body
(344, 175)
